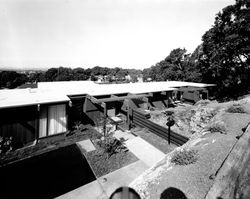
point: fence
(140, 118)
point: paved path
(91, 190)
(86, 145)
(122, 177)
(140, 148)
(144, 151)
(104, 186)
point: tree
(79, 74)
(225, 57)
(51, 74)
(12, 79)
(178, 66)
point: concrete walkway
(140, 148)
(86, 145)
(122, 177)
(91, 190)
(144, 151)
(104, 186)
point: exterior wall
(195, 95)
(26, 124)
(20, 123)
(159, 100)
(76, 112)
(93, 111)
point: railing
(141, 118)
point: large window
(52, 120)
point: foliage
(6, 144)
(12, 79)
(185, 157)
(178, 65)
(225, 51)
(217, 126)
(79, 126)
(236, 108)
(111, 145)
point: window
(52, 119)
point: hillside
(214, 130)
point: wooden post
(85, 105)
(126, 101)
(128, 113)
(37, 123)
(168, 134)
(105, 118)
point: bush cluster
(236, 108)
(111, 145)
(6, 144)
(185, 157)
(217, 127)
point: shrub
(79, 126)
(185, 157)
(217, 127)
(111, 145)
(6, 144)
(236, 108)
(168, 113)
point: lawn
(100, 161)
(155, 140)
(48, 144)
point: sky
(109, 33)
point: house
(53, 108)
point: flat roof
(27, 97)
(53, 92)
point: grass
(185, 157)
(101, 161)
(155, 140)
(49, 144)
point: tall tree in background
(178, 66)
(226, 49)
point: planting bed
(102, 164)
(57, 165)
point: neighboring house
(54, 107)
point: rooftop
(50, 92)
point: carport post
(128, 112)
(37, 123)
(105, 118)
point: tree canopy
(222, 58)
(178, 65)
(225, 50)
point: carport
(102, 101)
